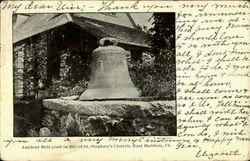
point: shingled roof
(38, 23)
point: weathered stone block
(19, 62)
(19, 70)
(19, 48)
(19, 91)
(109, 118)
(44, 132)
(116, 108)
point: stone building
(42, 44)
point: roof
(123, 34)
(38, 23)
(122, 19)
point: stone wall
(27, 117)
(29, 66)
(18, 70)
(108, 118)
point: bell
(109, 77)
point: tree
(163, 38)
(163, 49)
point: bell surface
(109, 77)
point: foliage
(35, 64)
(42, 63)
(74, 72)
(151, 80)
(57, 89)
(156, 77)
(163, 42)
(163, 36)
(27, 75)
(75, 66)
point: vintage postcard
(125, 80)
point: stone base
(27, 115)
(109, 118)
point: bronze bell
(109, 77)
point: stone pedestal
(109, 118)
